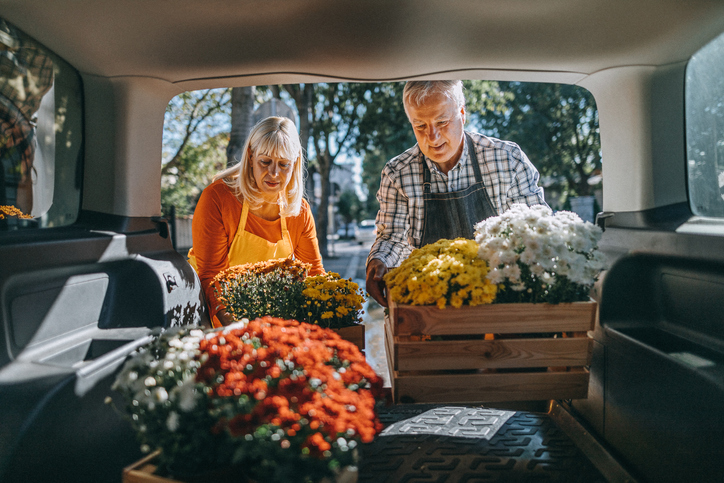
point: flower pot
(354, 334)
(539, 352)
(143, 471)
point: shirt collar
(460, 164)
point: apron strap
(244, 216)
(472, 158)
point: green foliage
(271, 288)
(194, 168)
(556, 125)
(349, 206)
(195, 136)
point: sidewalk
(348, 260)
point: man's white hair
(416, 92)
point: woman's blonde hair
(277, 137)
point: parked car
(365, 232)
(93, 274)
(346, 231)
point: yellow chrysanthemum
(447, 272)
(333, 301)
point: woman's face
(272, 175)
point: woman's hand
(224, 317)
(376, 269)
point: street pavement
(348, 258)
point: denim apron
(454, 214)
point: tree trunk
(242, 108)
(303, 96)
(325, 167)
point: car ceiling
(192, 40)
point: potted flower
(525, 278)
(10, 216)
(281, 288)
(270, 400)
(447, 272)
(336, 303)
(272, 287)
(536, 256)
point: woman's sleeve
(210, 243)
(307, 246)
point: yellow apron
(249, 248)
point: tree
(195, 167)
(194, 125)
(242, 110)
(556, 125)
(303, 95)
(384, 132)
(337, 110)
(349, 208)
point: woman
(254, 211)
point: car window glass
(40, 135)
(705, 129)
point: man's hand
(376, 269)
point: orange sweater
(215, 222)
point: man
(444, 185)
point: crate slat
(474, 388)
(514, 366)
(354, 334)
(496, 318)
(482, 354)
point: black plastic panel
(663, 331)
(74, 301)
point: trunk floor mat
(433, 443)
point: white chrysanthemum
(508, 257)
(160, 394)
(537, 269)
(550, 245)
(496, 276)
(172, 422)
(512, 273)
(186, 394)
(528, 256)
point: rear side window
(705, 129)
(40, 135)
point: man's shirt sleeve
(524, 186)
(393, 221)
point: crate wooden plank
(390, 352)
(354, 334)
(142, 471)
(493, 387)
(495, 318)
(482, 354)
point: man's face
(438, 126)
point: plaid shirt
(508, 176)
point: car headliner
(135, 55)
(216, 42)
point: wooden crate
(142, 471)
(523, 362)
(355, 334)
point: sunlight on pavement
(374, 320)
